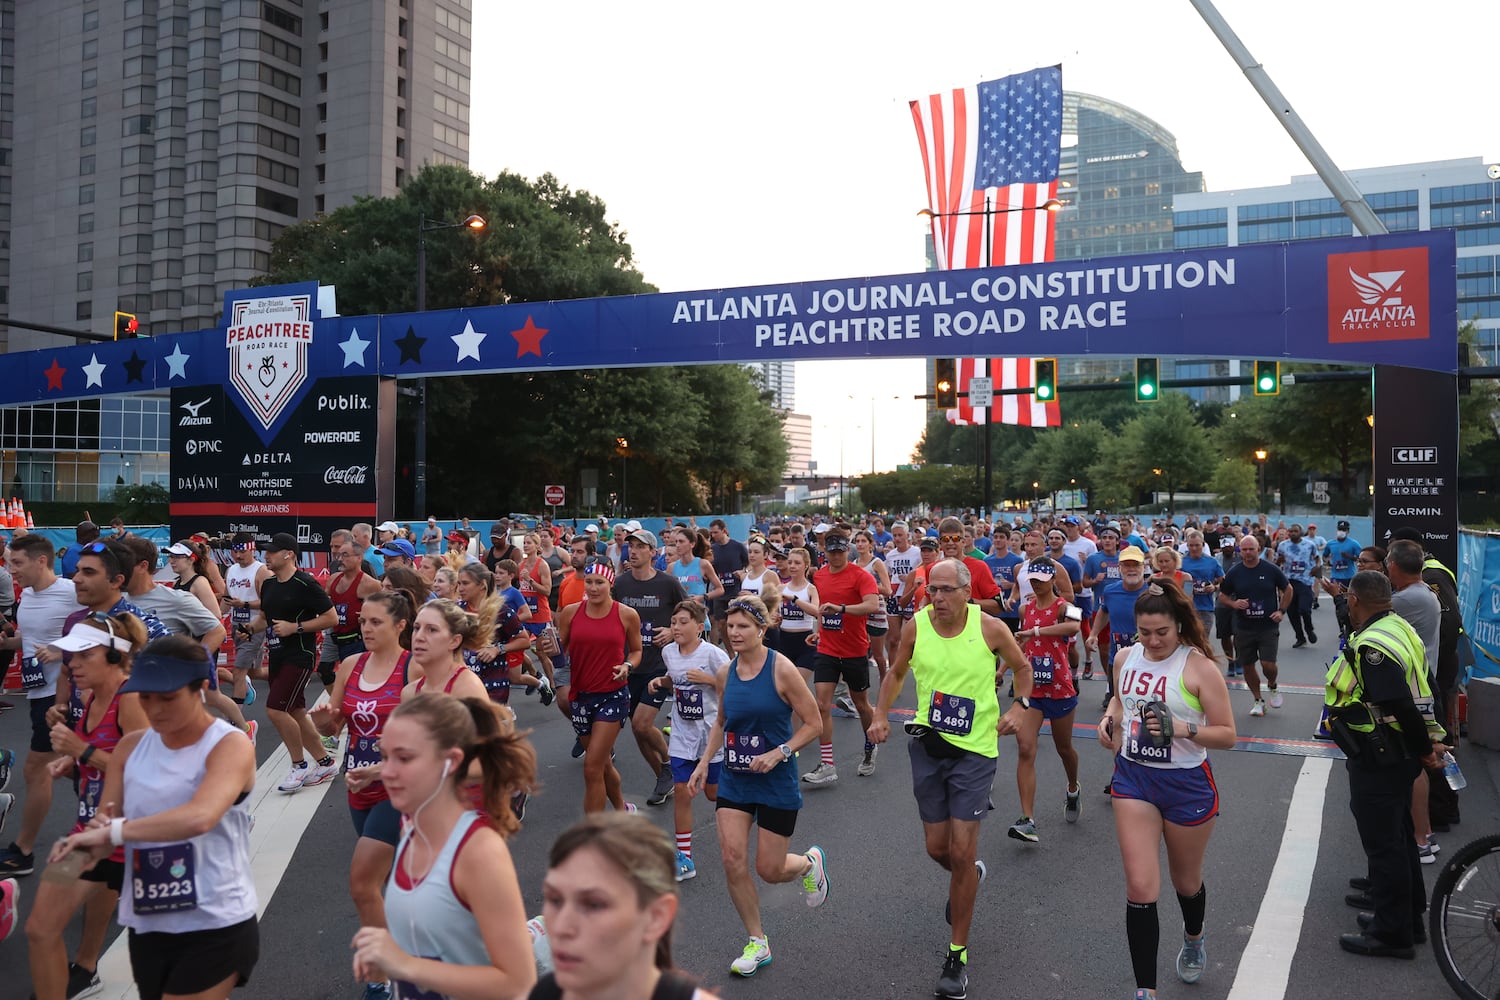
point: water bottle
(1456, 779)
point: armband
(1073, 613)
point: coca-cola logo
(353, 475)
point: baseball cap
(1044, 570)
(178, 549)
(159, 674)
(1113, 524)
(928, 543)
(1070, 519)
(634, 525)
(398, 547)
(820, 528)
(591, 529)
(85, 636)
(280, 542)
(640, 534)
(387, 526)
(900, 524)
(836, 543)
(1132, 554)
(1342, 526)
(498, 530)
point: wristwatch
(1192, 730)
(786, 751)
(1024, 702)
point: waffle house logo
(1377, 295)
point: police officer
(1380, 706)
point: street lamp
(623, 446)
(1034, 487)
(474, 224)
(1260, 461)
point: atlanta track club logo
(268, 340)
(1378, 295)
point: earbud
(447, 766)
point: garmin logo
(204, 447)
(192, 419)
(331, 437)
(346, 401)
(1414, 456)
(353, 475)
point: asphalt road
(1049, 921)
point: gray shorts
(951, 788)
(248, 653)
(1209, 619)
(1256, 644)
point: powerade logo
(1378, 295)
(1414, 456)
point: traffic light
(1267, 378)
(1045, 389)
(126, 326)
(945, 382)
(1147, 383)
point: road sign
(1320, 496)
(981, 391)
(554, 495)
(1320, 486)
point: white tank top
(878, 619)
(428, 920)
(212, 870)
(793, 618)
(1143, 680)
(239, 585)
(756, 585)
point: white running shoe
(867, 766)
(294, 780)
(815, 882)
(823, 774)
(756, 954)
(317, 774)
(1258, 709)
(1276, 701)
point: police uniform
(1380, 702)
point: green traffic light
(1045, 392)
(1267, 383)
(1147, 389)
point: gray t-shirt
(653, 600)
(1419, 606)
(40, 618)
(179, 611)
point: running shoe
(1141, 995)
(578, 748)
(82, 982)
(6, 802)
(1024, 829)
(331, 744)
(815, 882)
(319, 774)
(294, 780)
(1088, 672)
(631, 807)
(7, 761)
(823, 774)
(518, 805)
(377, 991)
(13, 862)
(984, 873)
(1312, 637)
(251, 728)
(249, 695)
(843, 707)
(1427, 853)
(544, 689)
(1299, 643)
(953, 981)
(867, 766)
(1276, 699)
(1073, 805)
(1258, 709)
(756, 954)
(10, 905)
(1192, 958)
(664, 787)
(1104, 705)
(685, 867)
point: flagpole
(988, 462)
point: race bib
(343, 610)
(1122, 639)
(790, 612)
(1139, 748)
(951, 714)
(1255, 610)
(162, 879)
(402, 990)
(239, 616)
(533, 601)
(689, 703)
(1041, 670)
(89, 793)
(741, 749)
(273, 641)
(1341, 565)
(833, 621)
(33, 675)
(1299, 567)
(363, 751)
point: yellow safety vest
(1389, 635)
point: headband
(600, 568)
(243, 546)
(748, 609)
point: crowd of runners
(723, 658)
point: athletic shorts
(793, 645)
(1185, 796)
(951, 787)
(1256, 644)
(608, 706)
(248, 653)
(718, 608)
(782, 822)
(562, 671)
(41, 733)
(1209, 617)
(639, 695)
(352, 646)
(852, 670)
(876, 631)
(1054, 708)
(108, 873)
(193, 961)
(1223, 623)
(682, 770)
(379, 822)
(289, 680)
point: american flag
(998, 140)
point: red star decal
(529, 339)
(55, 376)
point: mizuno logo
(193, 408)
(1378, 287)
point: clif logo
(1377, 295)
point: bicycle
(1464, 919)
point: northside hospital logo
(1378, 295)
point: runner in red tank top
(348, 591)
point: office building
(797, 429)
(779, 378)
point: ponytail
(507, 761)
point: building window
(86, 165)
(318, 204)
(85, 194)
(401, 118)
(88, 107)
(322, 112)
(85, 252)
(86, 222)
(322, 173)
(323, 25)
(91, 48)
(1111, 192)
(401, 26)
(323, 49)
(84, 310)
(400, 176)
(85, 281)
(400, 148)
(322, 143)
(323, 83)
(90, 78)
(87, 136)
(401, 86)
(400, 58)
(90, 20)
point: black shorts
(852, 670)
(289, 680)
(1223, 622)
(193, 961)
(379, 822)
(793, 645)
(718, 608)
(110, 874)
(41, 733)
(782, 822)
(640, 696)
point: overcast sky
(749, 144)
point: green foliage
(1233, 484)
(934, 485)
(1162, 449)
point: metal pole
(419, 493)
(989, 471)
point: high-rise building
(797, 429)
(153, 149)
(779, 378)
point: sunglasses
(96, 548)
(950, 538)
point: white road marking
(1266, 964)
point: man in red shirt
(982, 586)
(848, 595)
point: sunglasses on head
(96, 547)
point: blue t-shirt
(1204, 570)
(982, 544)
(1101, 563)
(1298, 560)
(1074, 569)
(511, 598)
(1137, 541)
(1341, 556)
(882, 539)
(1119, 604)
(1004, 570)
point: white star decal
(354, 349)
(468, 342)
(95, 372)
(176, 363)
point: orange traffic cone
(13, 518)
(30, 524)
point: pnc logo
(1378, 295)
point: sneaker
(578, 748)
(1141, 995)
(1024, 829)
(251, 728)
(1427, 854)
(1276, 699)
(823, 774)
(685, 867)
(984, 872)
(1073, 805)
(249, 695)
(756, 954)
(1088, 672)
(664, 787)
(319, 773)
(294, 780)
(13, 862)
(867, 766)
(1312, 637)
(7, 761)
(518, 805)
(544, 689)
(6, 802)
(1258, 709)
(1299, 643)
(815, 882)
(82, 982)
(10, 906)
(1104, 705)
(331, 744)
(528, 690)
(1191, 959)
(1109, 789)
(843, 707)
(953, 981)
(631, 807)
(373, 991)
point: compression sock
(1143, 933)
(961, 950)
(825, 752)
(685, 843)
(1193, 908)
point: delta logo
(1377, 295)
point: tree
(1233, 484)
(1161, 450)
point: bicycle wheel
(1464, 918)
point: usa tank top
(1142, 680)
(366, 711)
(596, 646)
(104, 737)
(1051, 676)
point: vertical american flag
(998, 140)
